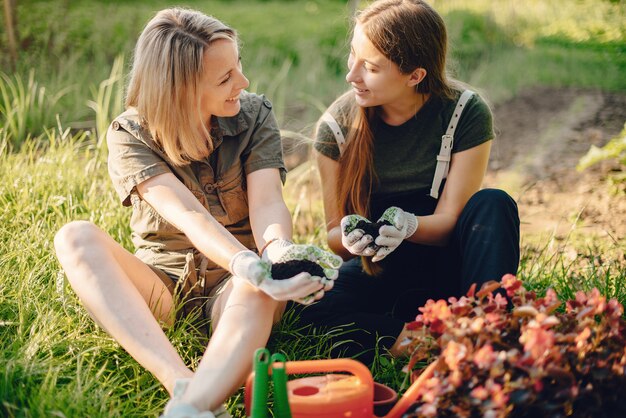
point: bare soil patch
(541, 135)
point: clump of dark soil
(282, 271)
(371, 228)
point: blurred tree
(10, 19)
(354, 6)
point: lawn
(68, 83)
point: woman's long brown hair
(412, 35)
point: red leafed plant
(520, 358)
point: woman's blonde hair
(412, 35)
(165, 79)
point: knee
(493, 202)
(74, 238)
(267, 306)
(493, 197)
(258, 301)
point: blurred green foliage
(54, 361)
(295, 50)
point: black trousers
(372, 310)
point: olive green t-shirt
(405, 156)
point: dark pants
(372, 310)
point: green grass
(53, 360)
(70, 48)
(295, 51)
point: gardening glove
(281, 251)
(403, 225)
(354, 239)
(248, 266)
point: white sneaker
(222, 412)
(185, 410)
(176, 409)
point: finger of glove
(294, 287)
(382, 253)
(383, 241)
(319, 295)
(391, 232)
(331, 274)
(302, 292)
(328, 284)
(309, 299)
(352, 237)
(369, 251)
(358, 247)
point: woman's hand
(302, 287)
(354, 239)
(281, 251)
(403, 225)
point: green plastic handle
(259, 388)
(279, 377)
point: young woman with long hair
(402, 156)
(199, 160)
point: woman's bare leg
(119, 291)
(245, 317)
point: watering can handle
(260, 389)
(331, 365)
(410, 396)
(322, 366)
(279, 377)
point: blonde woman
(199, 160)
(406, 146)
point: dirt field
(542, 134)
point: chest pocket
(227, 197)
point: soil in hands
(371, 228)
(288, 269)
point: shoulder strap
(335, 129)
(447, 141)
